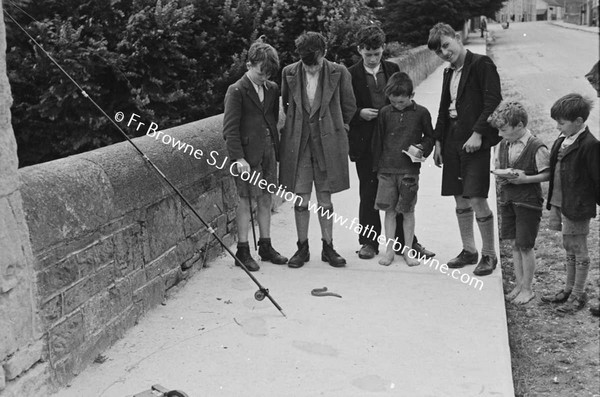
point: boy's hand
(473, 144)
(368, 113)
(437, 154)
(519, 179)
(242, 165)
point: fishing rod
(262, 291)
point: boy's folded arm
(489, 80)
(232, 116)
(428, 139)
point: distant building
(518, 11)
(550, 10)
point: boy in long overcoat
(319, 103)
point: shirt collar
(409, 107)
(264, 85)
(574, 137)
(525, 138)
(372, 71)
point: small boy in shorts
(573, 194)
(400, 125)
(520, 191)
(250, 131)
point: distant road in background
(548, 61)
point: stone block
(2, 379)
(100, 310)
(95, 256)
(66, 336)
(37, 382)
(78, 294)
(150, 295)
(229, 193)
(209, 205)
(105, 277)
(129, 249)
(164, 226)
(57, 277)
(65, 199)
(161, 264)
(172, 278)
(137, 279)
(51, 310)
(23, 359)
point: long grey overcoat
(338, 106)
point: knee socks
(302, 216)
(486, 228)
(465, 225)
(570, 272)
(326, 223)
(581, 272)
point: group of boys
(368, 113)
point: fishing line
(262, 291)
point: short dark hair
(508, 112)
(370, 37)
(310, 46)
(261, 52)
(435, 35)
(570, 107)
(399, 84)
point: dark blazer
(479, 94)
(361, 131)
(246, 121)
(579, 176)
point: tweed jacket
(246, 121)
(361, 130)
(579, 176)
(479, 94)
(337, 106)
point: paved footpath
(396, 331)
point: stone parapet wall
(110, 237)
(418, 63)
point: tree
(169, 61)
(409, 21)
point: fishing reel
(260, 294)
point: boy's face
(451, 50)
(314, 69)
(256, 74)
(371, 57)
(401, 102)
(568, 128)
(511, 134)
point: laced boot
(268, 253)
(330, 255)
(300, 256)
(243, 254)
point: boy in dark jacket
(573, 194)
(250, 131)
(401, 125)
(369, 77)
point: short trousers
(397, 191)
(557, 221)
(266, 169)
(465, 174)
(520, 223)
(308, 172)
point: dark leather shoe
(558, 297)
(302, 255)
(423, 252)
(243, 254)
(268, 253)
(330, 255)
(486, 266)
(463, 259)
(367, 251)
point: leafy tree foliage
(169, 61)
(409, 21)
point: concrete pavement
(585, 28)
(396, 331)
